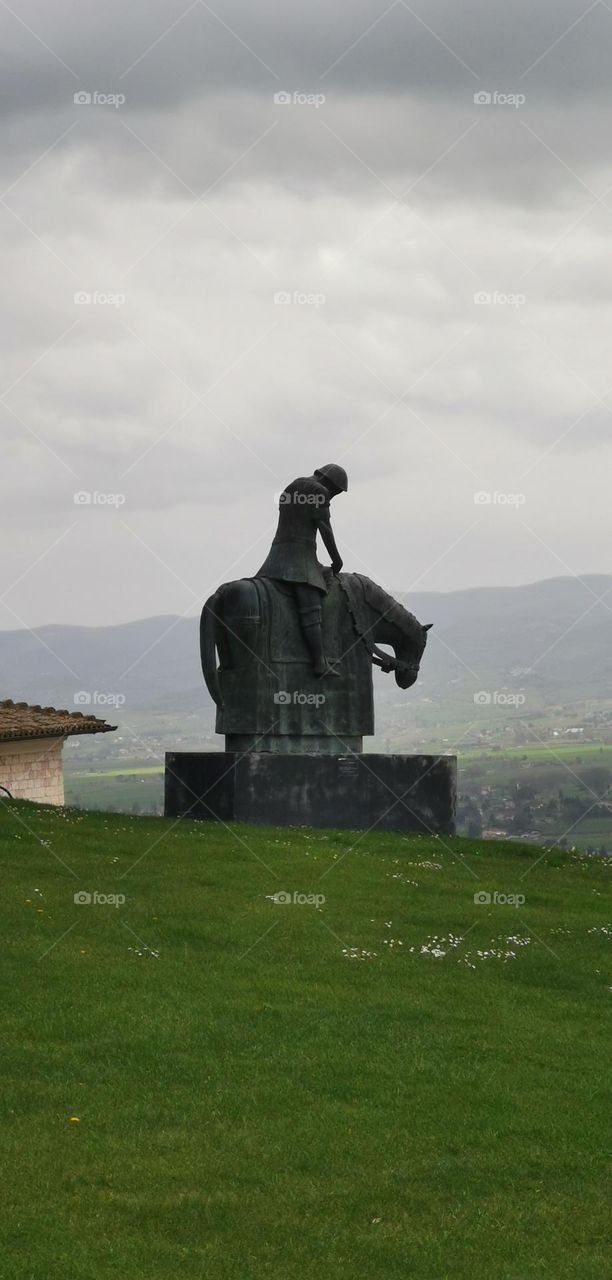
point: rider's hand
(337, 564)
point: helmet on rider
(334, 475)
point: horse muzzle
(406, 674)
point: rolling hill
(549, 641)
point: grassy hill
(379, 1077)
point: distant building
(31, 741)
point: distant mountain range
(552, 640)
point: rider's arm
(329, 542)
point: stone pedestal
(358, 792)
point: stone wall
(31, 768)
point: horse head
(409, 649)
(395, 626)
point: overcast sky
(447, 263)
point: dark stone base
(358, 792)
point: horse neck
(390, 621)
(380, 604)
(386, 631)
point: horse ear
(428, 626)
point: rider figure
(304, 511)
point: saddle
(286, 641)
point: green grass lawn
(393, 1082)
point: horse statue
(265, 690)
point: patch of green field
(596, 825)
(393, 1081)
(120, 773)
(563, 750)
(122, 790)
(590, 833)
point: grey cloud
(495, 395)
(176, 50)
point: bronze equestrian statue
(287, 657)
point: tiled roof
(20, 720)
